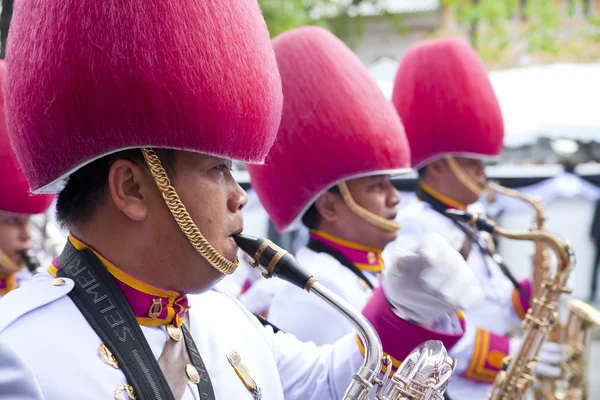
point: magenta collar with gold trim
(364, 257)
(8, 283)
(444, 199)
(150, 305)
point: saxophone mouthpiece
(478, 222)
(274, 261)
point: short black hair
(422, 171)
(311, 218)
(86, 188)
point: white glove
(550, 357)
(433, 281)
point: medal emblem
(155, 309)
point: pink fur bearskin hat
(14, 189)
(336, 125)
(447, 104)
(86, 78)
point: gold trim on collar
(444, 199)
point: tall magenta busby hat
(86, 78)
(446, 102)
(336, 125)
(14, 189)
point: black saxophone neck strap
(441, 208)
(319, 247)
(105, 308)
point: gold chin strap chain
(185, 222)
(7, 263)
(365, 214)
(463, 177)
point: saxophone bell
(424, 374)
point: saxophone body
(514, 382)
(575, 334)
(424, 374)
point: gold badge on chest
(155, 309)
(241, 370)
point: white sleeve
(463, 351)
(307, 317)
(479, 354)
(309, 372)
(410, 234)
(17, 380)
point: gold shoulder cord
(185, 222)
(365, 214)
(8, 263)
(462, 176)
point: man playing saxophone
(338, 144)
(134, 115)
(453, 123)
(16, 207)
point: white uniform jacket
(307, 316)
(480, 351)
(48, 351)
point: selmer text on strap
(103, 305)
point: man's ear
(129, 185)
(328, 206)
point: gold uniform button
(108, 357)
(371, 257)
(174, 333)
(59, 282)
(192, 373)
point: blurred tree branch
(504, 31)
(339, 16)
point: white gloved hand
(550, 357)
(433, 281)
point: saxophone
(540, 257)
(513, 383)
(424, 374)
(576, 334)
(578, 331)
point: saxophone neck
(276, 262)
(364, 329)
(561, 248)
(534, 201)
